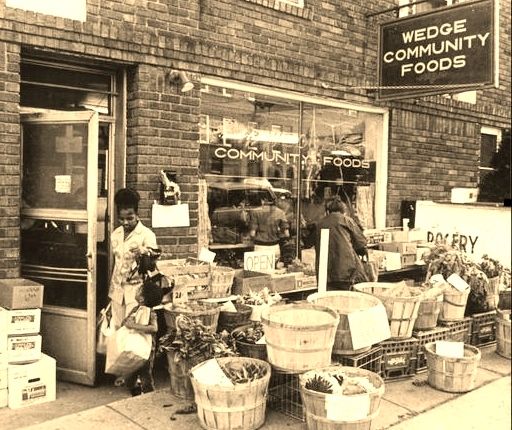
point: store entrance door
(58, 233)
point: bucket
(503, 333)
(454, 375)
(428, 314)
(208, 313)
(454, 305)
(402, 311)
(179, 376)
(505, 299)
(221, 281)
(246, 349)
(493, 292)
(239, 407)
(317, 404)
(299, 336)
(230, 320)
(344, 302)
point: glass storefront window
(259, 150)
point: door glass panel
(54, 166)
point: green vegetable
(242, 373)
(319, 384)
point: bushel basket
(207, 313)
(428, 314)
(252, 350)
(454, 305)
(230, 320)
(221, 281)
(503, 333)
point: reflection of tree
(495, 186)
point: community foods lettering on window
(449, 49)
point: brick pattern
(9, 160)
(253, 41)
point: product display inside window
(272, 163)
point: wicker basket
(428, 314)
(221, 281)
(230, 320)
(299, 337)
(345, 302)
(493, 292)
(316, 404)
(252, 350)
(503, 333)
(454, 305)
(505, 300)
(239, 407)
(208, 313)
(402, 311)
(454, 375)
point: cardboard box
(408, 260)
(284, 282)
(404, 248)
(306, 282)
(23, 349)
(20, 293)
(386, 260)
(33, 383)
(4, 399)
(247, 280)
(464, 195)
(3, 377)
(20, 321)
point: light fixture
(175, 75)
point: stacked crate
(424, 337)
(483, 329)
(27, 376)
(399, 358)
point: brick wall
(9, 160)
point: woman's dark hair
(335, 204)
(152, 293)
(127, 198)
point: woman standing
(129, 240)
(346, 240)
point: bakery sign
(447, 50)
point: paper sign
(457, 282)
(347, 408)
(211, 373)
(63, 184)
(450, 349)
(261, 341)
(259, 261)
(206, 255)
(368, 326)
(170, 215)
(228, 307)
(436, 279)
(180, 294)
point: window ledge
(295, 10)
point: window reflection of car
(230, 204)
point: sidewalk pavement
(409, 404)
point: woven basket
(208, 313)
(402, 311)
(428, 314)
(252, 350)
(505, 300)
(454, 305)
(227, 408)
(316, 403)
(493, 292)
(230, 320)
(221, 281)
(345, 302)
(503, 333)
(454, 375)
(299, 336)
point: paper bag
(127, 351)
(105, 329)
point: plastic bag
(105, 328)
(127, 351)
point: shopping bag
(127, 351)
(105, 329)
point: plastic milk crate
(424, 337)
(370, 360)
(284, 394)
(483, 330)
(399, 358)
(460, 331)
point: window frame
(491, 131)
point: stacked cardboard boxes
(27, 376)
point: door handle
(90, 262)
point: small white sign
(210, 373)
(206, 255)
(347, 408)
(170, 215)
(369, 326)
(261, 341)
(63, 184)
(450, 349)
(437, 279)
(259, 261)
(457, 282)
(179, 294)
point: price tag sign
(180, 294)
(457, 282)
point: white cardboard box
(3, 397)
(23, 349)
(387, 260)
(464, 195)
(32, 383)
(20, 321)
(3, 377)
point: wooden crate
(191, 273)
(248, 280)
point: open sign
(259, 261)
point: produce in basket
(251, 334)
(338, 382)
(491, 267)
(477, 299)
(298, 266)
(260, 298)
(243, 372)
(193, 340)
(400, 290)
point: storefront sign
(259, 261)
(447, 50)
(72, 9)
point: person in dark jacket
(346, 242)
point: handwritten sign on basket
(368, 326)
(347, 408)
